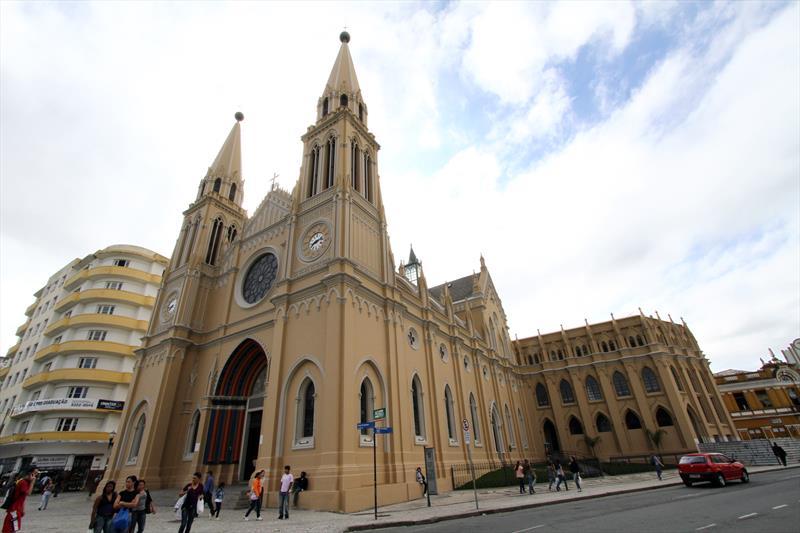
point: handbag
(179, 503)
(122, 520)
(199, 506)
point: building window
(114, 285)
(330, 160)
(96, 335)
(57, 340)
(763, 397)
(632, 420)
(367, 177)
(231, 233)
(631, 342)
(602, 423)
(47, 367)
(232, 192)
(663, 418)
(448, 410)
(313, 171)
(105, 309)
(361, 112)
(136, 441)
(741, 401)
(567, 396)
(325, 107)
(640, 340)
(512, 441)
(650, 380)
(213, 242)
(343, 100)
(35, 395)
(621, 385)
(121, 263)
(466, 363)
(416, 404)
(305, 411)
(413, 338)
(24, 373)
(77, 392)
(443, 352)
(677, 378)
(87, 362)
(66, 424)
(542, 399)
(473, 411)
(367, 401)
(575, 426)
(593, 389)
(355, 161)
(23, 427)
(217, 184)
(191, 435)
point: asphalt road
(769, 503)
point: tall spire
(343, 77)
(228, 163)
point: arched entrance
(234, 429)
(550, 437)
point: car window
(718, 459)
(692, 460)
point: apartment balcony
(79, 375)
(104, 295)
(114, 272)
(58, 436)
(765, 412)
(23, 327)
(31, 308)
(11, 351)
(95, 319)
(88, 347)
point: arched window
(604, 346)
(523, 430)
(325, 106)
(650, 380)
(217, 184)
(585, 350)
(136, 440)
(231, 233)
(578, 351)
(593, 389)
(361, 112)
(304, 429)
(367, 177)
(473, 411)
(663, 418)
(497, 431)
(232, 192)
(330, 159)
(602, 423)
(213, 242)
(640, 340)
(560, 354)
(191, 435)
(512, 441)
(542, 399)
(416, 403)
(612, 345)
(575, 426)
(631, 342)
(355, 161)
(313, 170)
(343, 101)
(632, 420)
(448, 411)
(677, 378)
(567, 396)
(367, 401)
(621, 384)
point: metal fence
(490, 474)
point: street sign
(465, 424)
(379, 414)
(466, 437)
(365, 425)
(383, 430)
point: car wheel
(687, 482)
(720, 482)
(745, 477)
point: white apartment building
(64, 384)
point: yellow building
(275, 334)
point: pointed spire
(228, 163)
(343, 77)
(412, 257)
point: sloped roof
(229, 159)
(459, 289)
(343, 75)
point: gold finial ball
(239, 116)
(344, 37)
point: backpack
(9, 497)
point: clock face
(172, 305)
(168, 311)
(315, 241)
(260, 277)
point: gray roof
(459, 289)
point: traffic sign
(465, 424)
(383, 430)
(379, 414)
(366, 425)
(466, 437)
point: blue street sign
(383, 430)
(365, 425)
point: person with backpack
(14, 502)
(103, 509)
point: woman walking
(103, 509)
(551, 476)
(46, 493)
(219, 495)
(145, 506)
(255, 497)
(560, 476)
(128, 498)
(575, 468)
(530, 475)
(519, 471)
(194, 493)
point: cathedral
(274, 335)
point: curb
(479, 512)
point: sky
(603, 157)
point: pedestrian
(656, 462)
(194, 493)
(128, 498)
(287, 480)
(142, 509)
(779, 452)
(103, 509)
(575, 468)
(15, 510)
(530, 476)
(422, 481)
(300, 485)
(47, 491)
(44, 481)
(59, 483)
(560, 476)
(263, 484)
(255, 495)
(208, 489)
(551, 476)
(219, 495)
(519, 472)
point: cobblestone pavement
(70, 511)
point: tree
(656, 437)
(591, 442)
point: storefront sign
(44, 462)
(67, 404)
(110, 405)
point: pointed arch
(473, 411)
(325, 106)
(575, 426)
(677, 378)
(417, 408)
(330, 161)
(620, 384)
(355, 164)
(214, 241)
(604, 346)
(542, 398)
(313, 170)
(192, 434)
(232, 193)
(366, 403)
(448, 413)
(567, 394)
(632, 420)
(693, 420)
(650, 380)
(663, 418)
(602, 423)
(497, 430)
(593, 391)
(368, 185)
(304, 425)
(217, 184)
(550, 433)
(137, 435)
(343, 100)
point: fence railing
(490, 474)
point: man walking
(658, 464)
(287, 480)
(208, 489)
(779, 452)
(16, 508)
(530, 476)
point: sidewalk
(70, 511)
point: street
(770, 502)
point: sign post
(375, 432)
(465, 425)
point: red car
(714, 467)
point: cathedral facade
(274, 335)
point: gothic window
(232, 192)
(560, 354)
(213, 242)
(136, 440)
(567, 396)
(632, 420)
(620, 384)
(448, 410)
(604, 346)
(631, 341)
(542, 399)
(313, 170)
(231, 233)
(593, 389)
(575, 426)
(330, 161)
(602, 423)
(343, 101)
(585, 350)
(325, 107)
(361, 112)
(305, 410)
(522, 429)
(191, 435)
(367, 400)
(260, 278)
(217, 184)
(413, 338)
(650, 380)
(639, 340)
(578, 351)
(355, 161)
(367, 177)
(416, 404)
(512, 441)
(663, 418)
(473, 411)
(612, 345)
